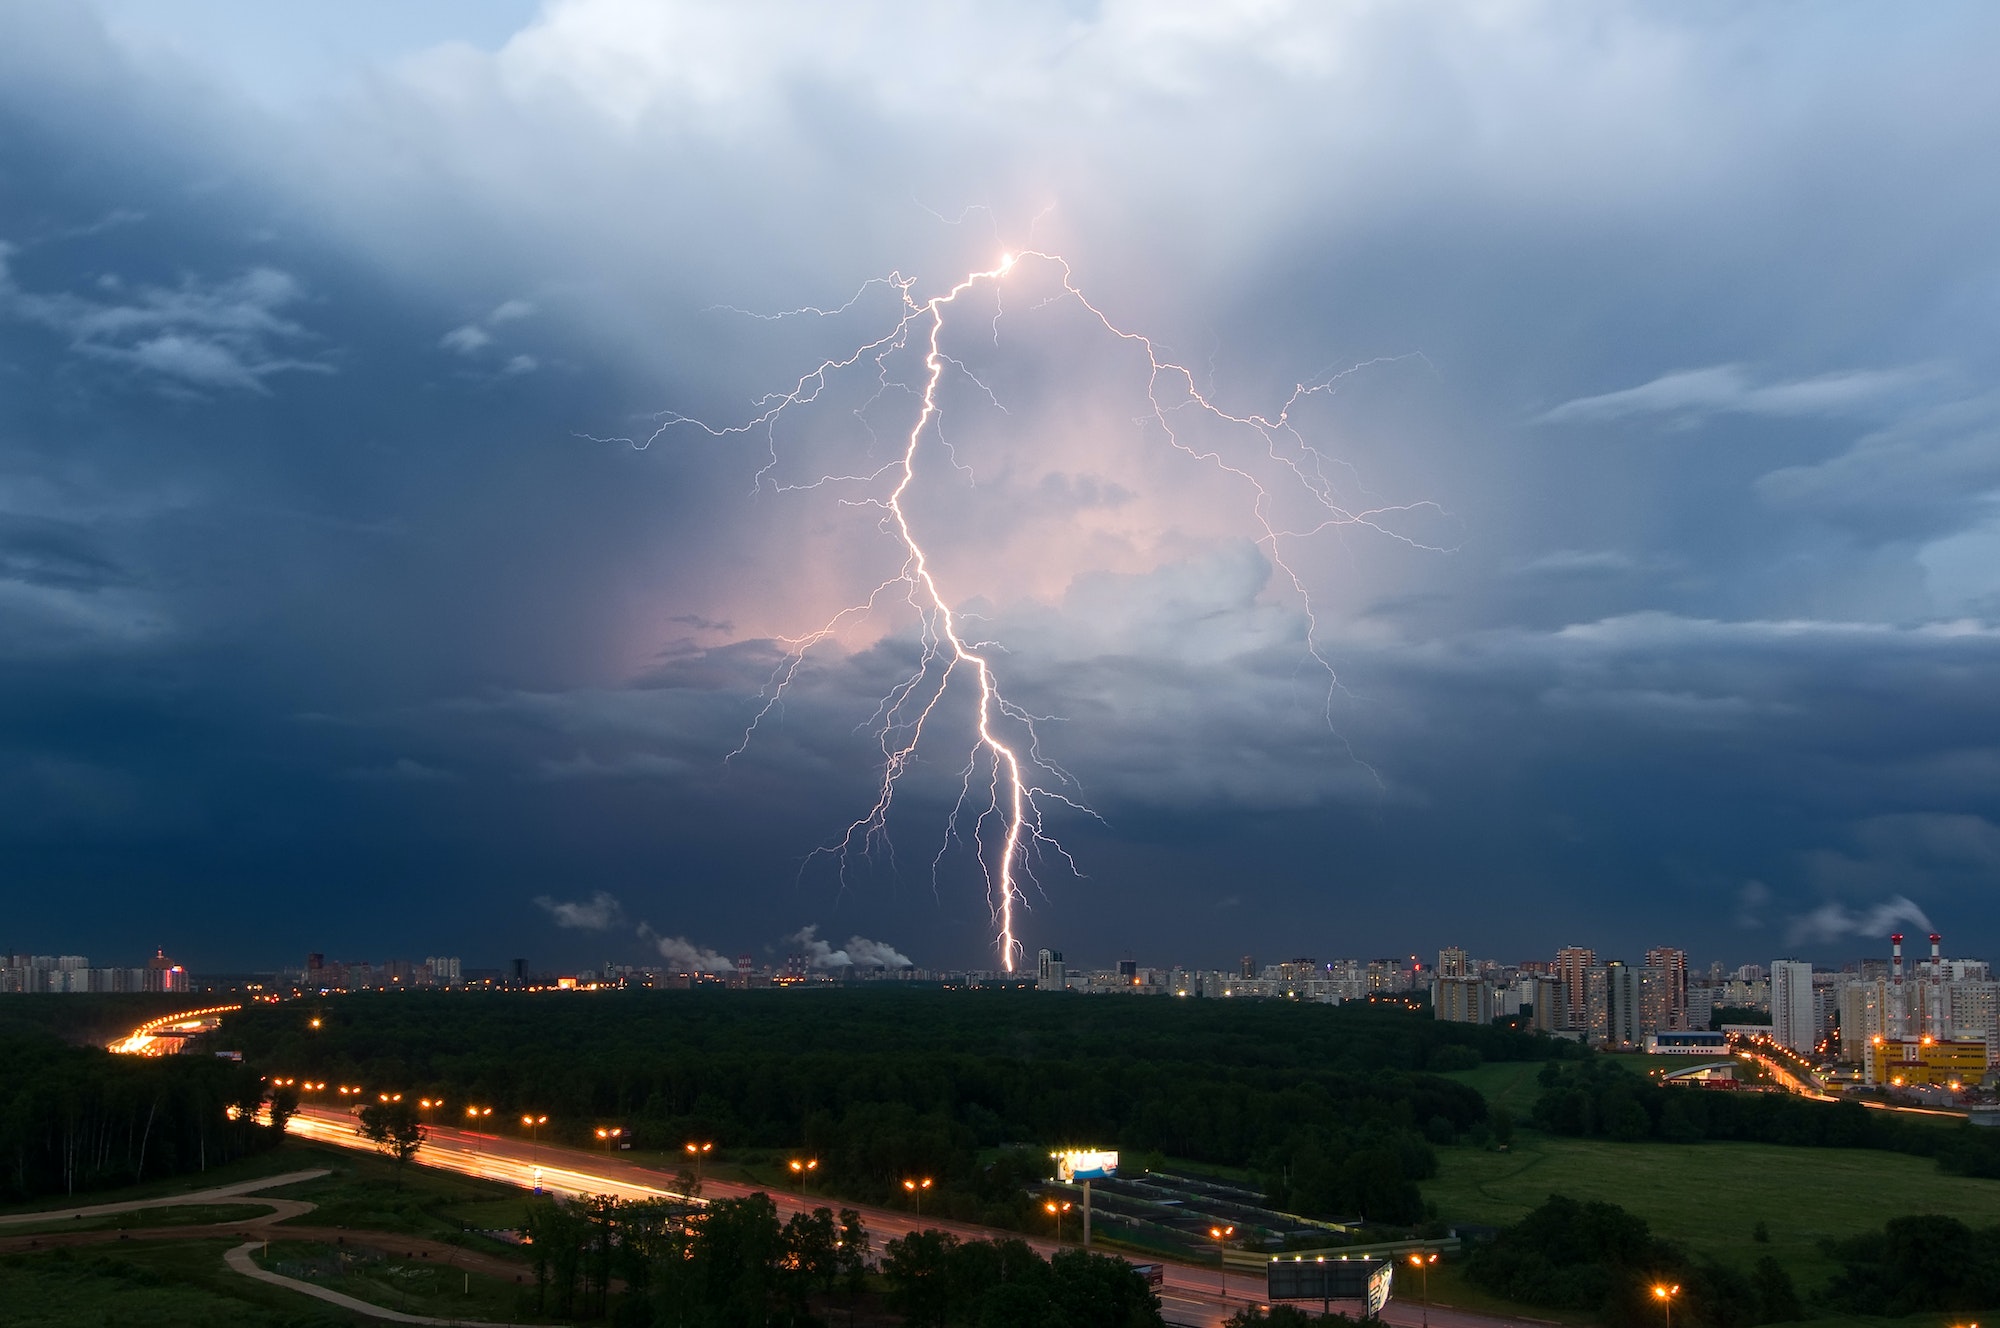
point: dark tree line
(1332, 1104)
(939, 1281)
(78, 1118)
(732, 1264)
(1598, 1258)
(1917, 1263)
(1601, 1099)
(729, 1264)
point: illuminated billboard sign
(1085, 1164)
(1321, 1278)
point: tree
(284, 1105)
(395, 1131)
(919, 1271)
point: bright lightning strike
(1009, 830)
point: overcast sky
(363, 590)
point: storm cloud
(351, 547)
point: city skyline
(1624, 571)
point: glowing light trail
(1014, 764)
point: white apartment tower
(1793, 1020)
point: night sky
(360, 593)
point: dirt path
(242, 1190)
(255, 1231)
(239, 1259)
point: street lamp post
(699, 1152)
(610, 1135)
(1221, 1235)
(535, 1124)
(1665, 1294)
(802, 1169)
(916, 1188)
(1056, 1208)
(1422, 1261)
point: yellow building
(1908, 1062)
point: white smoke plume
(860, 952)
(598, 913)
(1830, 922)
(684, 956)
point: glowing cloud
(1018, 783)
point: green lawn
(181, 1215)
(291, 1156)
(414, 1286)
(160, 1284)
(364, 1191)
(1509, 1084)
(1709, 1197)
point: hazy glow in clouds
(303, 312)
(1261, 461)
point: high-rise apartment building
(1451, 962)
(1461, 1000)
(1612, 998)
(1573, 966)
(1667, 990)
(1794, 1021)
(1973, 1012)
(1051, 974)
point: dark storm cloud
(312, 584)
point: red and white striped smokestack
(1937, 959)
(1896, 957)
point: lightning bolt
(1009, 831)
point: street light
(1220, 1235)
(609, 1135)
(802, 1169)
(475, 1113)
(1422, 1261)
(1665, 1295)
(535, 1124)
(916, 1188)
(699, 1152)
(1056, 1209)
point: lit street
(1194, 1295)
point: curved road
(1195, 1296)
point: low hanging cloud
(683, 955)
(195, 335)
(859, 952)
(1831, 922)
(1726, 389)
(600, 912)
(469, 339)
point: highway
(1194, 1296)
(1808, 1086)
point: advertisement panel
(1075, 1164)
(1324, 1279)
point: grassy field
(364, 1191)
(1710, 1197)
(181, 1215)
(414, 1286)
(1509, 1084)
(161, 1284)
(293, 1156)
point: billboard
(1321, 1278)
(1075, 1164)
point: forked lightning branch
(1008, 786)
